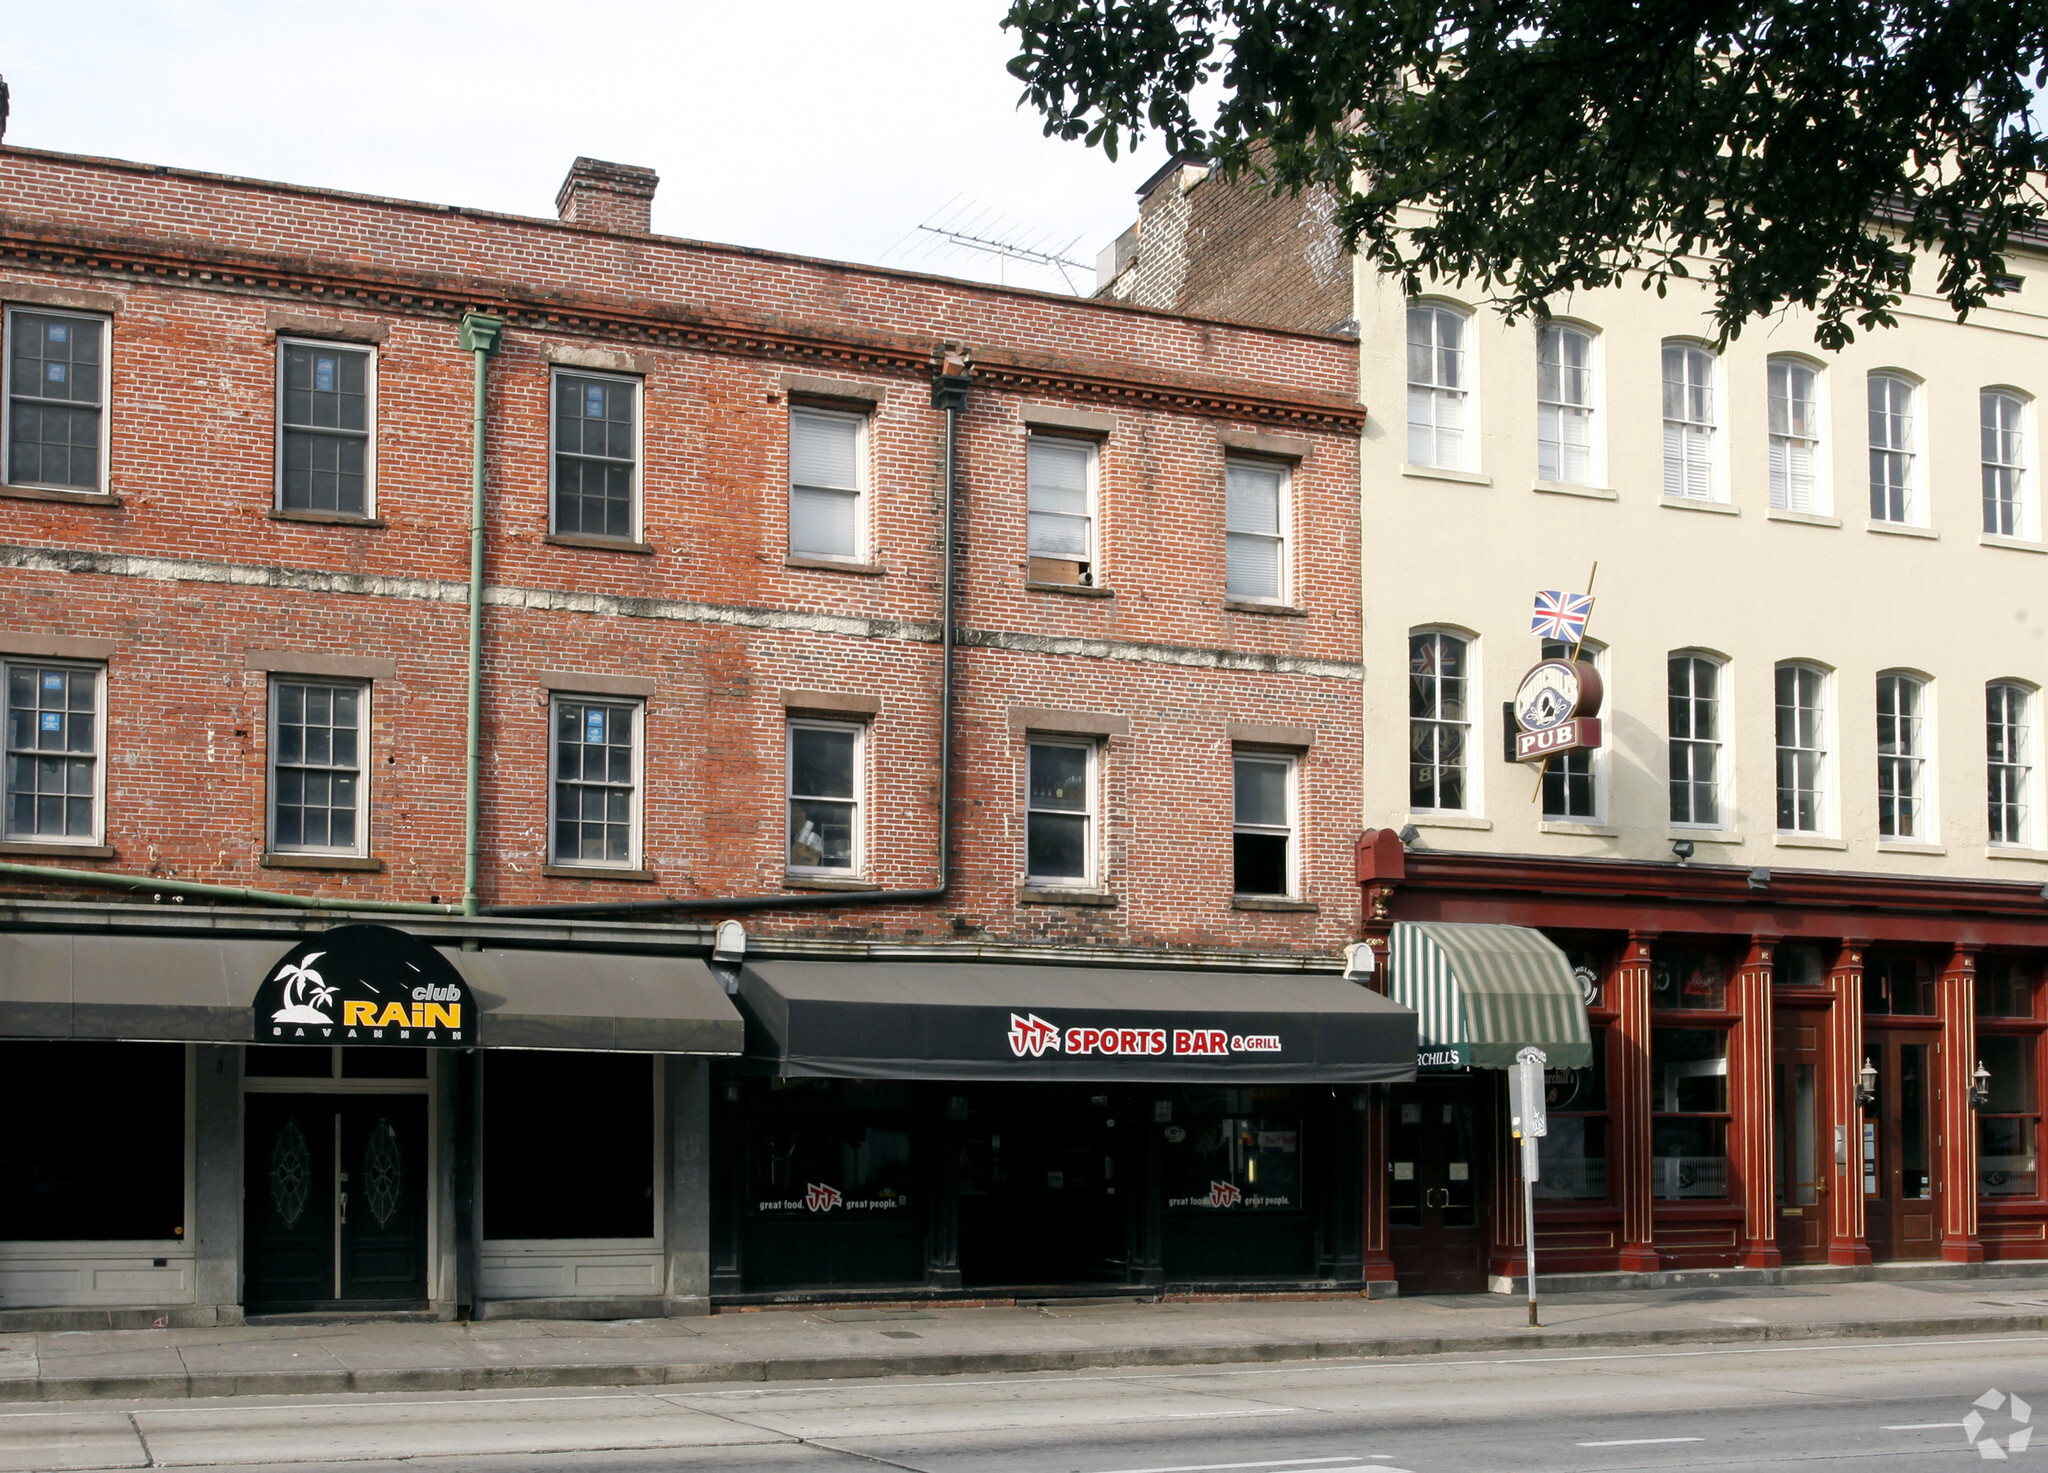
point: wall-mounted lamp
(1866, 1085)
(728, 953)
(1682, 848)
(1409, 834)
(1759, 879)
(1980, 1087)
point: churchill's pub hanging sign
(365, 985)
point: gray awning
(183, 989)
(977, 1020)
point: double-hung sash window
(1901, 757)
(318, 777)
(2009, 756)
(1263, 851)
(1439, 387)
(56, 401)
(1802, 749)
(1059, 813)
(1571, 782)
(1438, 722)
(2002, 418)
(1689, 422)
(1893, 450)
(1564, 405)
(1255, 531)
(824, 797)
(53, 753)
(596, 455)
(1059, 480)
(825, 483)
(1795, 435)
(595, 793)
(326, 398)
(1694, 717)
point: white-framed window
(1439, 387)
(326, 422)
(2009, 757)
(1695, 739)
(1894, 450)
(2002, 416)
(594, 455)
(56, 730)
(55, 407)
(1439, 721)
(1902, 791)
(1565, 449)
(594, 761)
(319, 775)
(1256, 512)
(827, 480)
(1573, 781)
(1061, 524)
(824, 773)
(1803, 776)
(1795, 436)
(1265, 859)
(1691, 423)
(1059, 811)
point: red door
(1901, 1167)
(1805, 1132)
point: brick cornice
(205, 265)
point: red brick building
(715, 490)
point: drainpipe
(480, 340)
(200, 891)
(950, 380)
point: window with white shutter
(1689, 422)
(1439, 388)
(825, 484)
(1795, 436)
(1564, 405)
(1255, 531)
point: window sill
(363, 863)
(1053, 895)
(597, 872)
(1572, 488)
(32, 849)
(1445, 473)
(322, 518)
(598, 544)
(1252, 606)
(1991, 851)
(2014, 544)
(52, 493)
(1807, 841)
(1689, 503)
(1449, 821)
(1578, 830)
(1804, 518)
(1275, 903)
(835, 565)
(1706, 836)
(1909, 846)
(1901, 529)
(1075, 590)
(826, 882)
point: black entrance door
(1046, 1185)
(1437, 1168)
(335, 1201)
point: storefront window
(2005, 988)
(829, 1147)
(1682, 977)
(1689, 1129)
(2008, 1126)
(568, 1145)
(96, 1147)
(1896, 985)
(1573, 1156)
(1799, 964)
(1235, 1148)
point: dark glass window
(282, 1061)
(53, 740)
(595, 782)
(1438, 722)
(1056, 839)
(96, 1148)
(2005, 988)
(1688, 977)
(1689, 1126)
(824, 796)
(1797, 964)
(326, 425)
(316, 761)
(568, 1145)
(1238, 1149)
(596, 455)
(53, 401)
(1573, 1156)
(1897, 984)
(823, 1149)
(1262, 840)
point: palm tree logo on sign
(305, 993)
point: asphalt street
(1873, 1404)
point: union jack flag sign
(1561, 616)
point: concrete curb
(857, 1367)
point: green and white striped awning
(1482, 993)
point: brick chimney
(616, 197)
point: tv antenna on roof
(965, 225)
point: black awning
(976, 1020)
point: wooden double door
(335, 1201)
(1439, 1167)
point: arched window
(1795, 435)
(1439, 721)
(1439, 387)
(2009, 759)
(1695, 726)
(1894, 450)
(1690, 422)
(1802, 749)
(1564, 404)
(1902, 788)
(2006, 493)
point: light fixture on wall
(1409, 834)
(1682, 848)
(1980, 1087)
(1866, 1085)
(1759, 879)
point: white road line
(1640, 1441)
(1221, 1467)
(1198, 1416)
(1920, 1426)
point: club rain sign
(365, 985)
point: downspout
(950, 382)
(479, 339)
(194, 888)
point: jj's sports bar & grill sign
(365, 985)
(1033, 1036)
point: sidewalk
(830, 1343)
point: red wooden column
(1958, 1121)
(1846, 1241)
(1380, 852)
(1629, 1099)
(1750, 1089)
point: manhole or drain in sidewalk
(903, 1334)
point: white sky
(827, 127)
